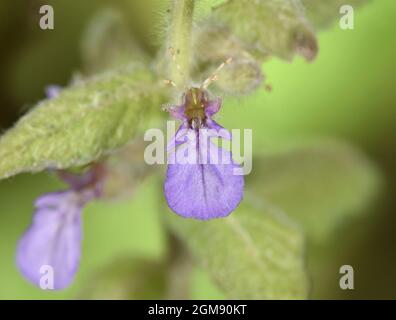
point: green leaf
(241, 76)
(322, 13)
(203, 288)
(205, 7)
(270, 27)
(108, 42)
(126, 171)
(126, 279)
(319, 185)
(249, 255)
(88, 120)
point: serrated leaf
(319, 185)
(87, 121)
(322, 13)
(249, 255)
(270, 27)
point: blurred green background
(347, 92)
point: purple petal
(53, 240)
(178, 139)
(204, 190)
(49, 199)
(177, 112)
(52, 91)
(212, 107)
(88, 184)
(221, 131)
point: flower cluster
(205, 188)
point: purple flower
(52, 91)
(207, 187)
(54, 238)
(49, 252)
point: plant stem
(179, 41)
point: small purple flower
(52, 91)
(54, 238)
(207, 187)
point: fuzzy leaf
(108, 42)
(277, 27)
(318, 185)
(87, 121)
(322, 13)
(220, 45)
(241, 76)
(249, 255)
(204, 8)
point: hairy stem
(179, 41)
